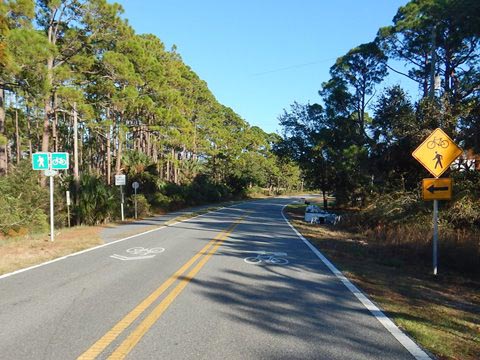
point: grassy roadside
(23, 251)
(442, 314)
(28, 250)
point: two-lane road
(186, 292)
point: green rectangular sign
(40, 161)
(59, 161)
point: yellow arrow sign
(437, 152)
(437, 189)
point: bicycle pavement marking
(135, 336)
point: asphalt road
(186, 292)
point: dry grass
(441, 313)
(23, 251)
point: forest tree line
(357, 141)
(75, 77)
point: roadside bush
(97, 202)
(400, 226)
(394, 208)
(143, 207)
(463, 212)
(22, 202)
(255, 191)
(202, 191)
(159, 201)
(170, 196)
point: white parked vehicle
(315, 215)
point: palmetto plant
(189, 169)
(96, 201)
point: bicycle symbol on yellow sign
(437, 152)
(440, 142)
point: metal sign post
(135, 186)
(121, 180)
(121, 205)
(51, 210)
(435, 237)
(49, 163)
(68, 207)
(51, 174)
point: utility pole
(76, 177)
(435, 202)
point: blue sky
(258, 57)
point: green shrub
(160, 201)
(202, 191)
(143, 207)
(97, 202)
(23, 202)
(393, 208)
(400, 225)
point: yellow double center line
(135, 336)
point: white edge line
(100, 246)
(407, 343)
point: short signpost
(436, 153)
(67, 193)
(121, 180)
(135, 186)
(50, 163)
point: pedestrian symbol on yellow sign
(438, 157)
(437, 152)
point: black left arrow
(432, 188)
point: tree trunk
(118, 165)
(47, 108)
(154, 154)
(109, 155)
(148, 144)
(17, 136)
(29, 132)
(194, 156)
(76, 175)
(167, 171)
(54, 124)
(325, 200)
(426, 77)
(3, 139)
(174, 167)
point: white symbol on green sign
(50, 161)
(40, 161)
(59, 161)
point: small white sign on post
(51, 173)
(120, 180)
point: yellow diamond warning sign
(437, 152)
